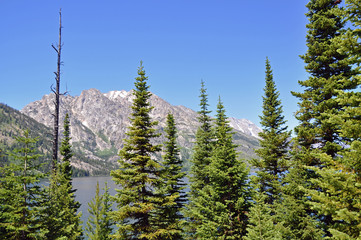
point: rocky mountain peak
(99, 122)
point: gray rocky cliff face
(99, 123)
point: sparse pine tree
(138, 173)
(99, 225)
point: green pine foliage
(66, 151)
(342, 196)
(138, 173)
(293, 210)
(200, 160)
(203, 145)
(20, 192)
(169, 216)
(100, 225)
(341, 176)
(60, 215)
(262, 220)
(331, 73)
(273, 152)
(226, 198)
(352, 44)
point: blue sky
(225, 43)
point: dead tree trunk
(57, 96)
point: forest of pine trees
(305, 186)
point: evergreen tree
(200, 160)
(272, 162)
(330, 74)
(66, 151)
(20, 193)
(294, 210)
(262, 221)
(226, 198)
(61, 215)
(203, 145)
(169, 216)
(99, 225)
(340, 178)
(139, 171)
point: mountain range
(99, 121)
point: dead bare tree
(56, 92)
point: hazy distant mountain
(99, 122)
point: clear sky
(225, 43)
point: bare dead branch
(56, 50)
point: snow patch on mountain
(113, 95)
(245, 126)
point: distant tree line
(305, 187)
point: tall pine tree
(341, 177)
(330, 74)
(273, 153)
(138, 173)
(226, 198)
(200, 160)
(169, 216)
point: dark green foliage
(294, 210)
(318, 136)
(203, 145)
(226, 198)
(20, 192)
(262, 221)
(99, 225)
(272, 162)
(169, 216)
(200, 160)
(66, 152)
(138, 173)
(340, 178)
(61, 215)
(330, 72)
